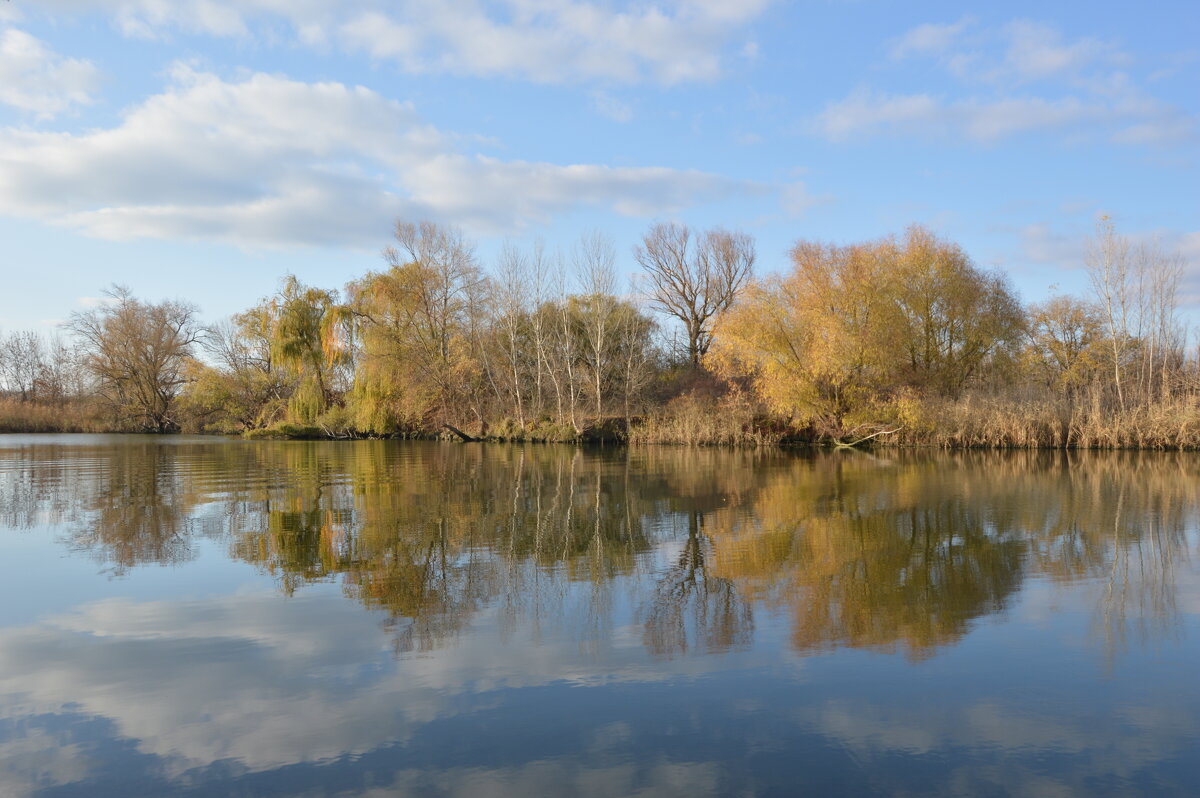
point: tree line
(902, 338)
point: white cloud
(1176, 64)
(1043, 244)
(610, 107)
(797, 200)
(865, 111)
(1081, 90)
(1188, 245)
(989, 121)
(930, 38)
(550, 41)
(1019, 52)
(1167, 127)
(1139, 739)
(1065, 246)
(1038, 52)
(36, 79)
(275, 162)
(1133, 120)
(95, 301)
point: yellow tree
(953, 316)
(816, 344)
(1065, 342)
(834, 342)
(416, 328)
(303, 341)
(242, 387)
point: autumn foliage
(902, 339)
(841, 340)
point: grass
(699, 420)
(73, 416)
(285, 431)
(1085, 422)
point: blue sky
(204, 148)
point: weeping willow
(307, 341)
(412, 329)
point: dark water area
(206, 617)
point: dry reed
(1055, 423)
(697, 420)
(19, 416)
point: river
(186, 616)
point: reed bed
(1055, 423)
(692, 420)
(25, 416)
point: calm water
(201, 617)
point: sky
(202, 149)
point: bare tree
(136, 352)
(511, 291)
(540, 267)
(61, 375)
(564, 348)
(693, 278)
(1159, 331)
(1107, 264)
(595, 262)
(22, 361)
(1137, 287)
(635, 348)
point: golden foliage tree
(303, 341)
(815, 343)
(835, 341)
(415, 324)
(1065, 342)
(953, 316)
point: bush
(286, 431)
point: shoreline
(786, 445)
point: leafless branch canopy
(693, 277)
(137, 353)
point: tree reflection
(690, 598)
(866, 556)
(125, 505)
(899, 553)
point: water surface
(208, 617)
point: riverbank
(972, 422)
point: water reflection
(689, 595)
(555, 620)
(896, 553)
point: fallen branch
(844, 445)
(462, 435)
